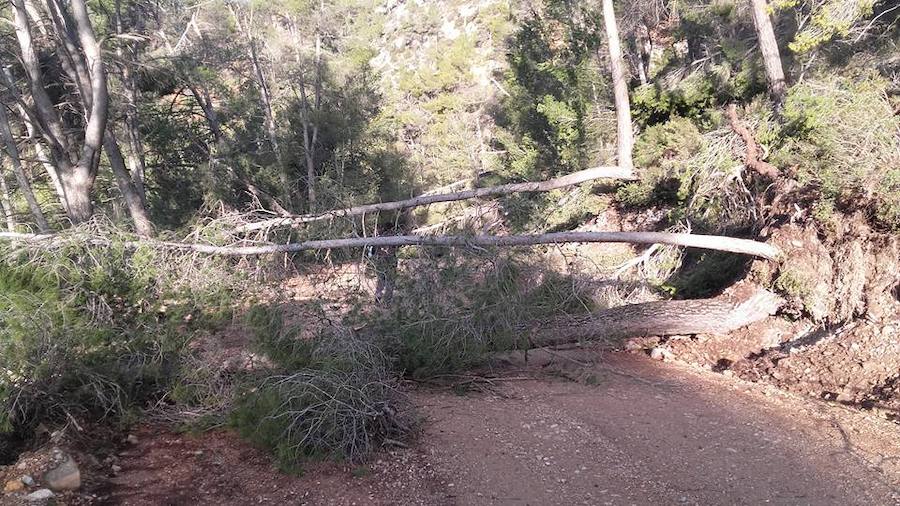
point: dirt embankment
(837, 337)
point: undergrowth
(331, 396)
(91, 331)
(841, 139)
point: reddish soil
(634, 432)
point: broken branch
(579, 177)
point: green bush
(840, 139)
(91, 332)
(452, 311)
(692, 174)
(331, 396)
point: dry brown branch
(751, 157)
(422, 200)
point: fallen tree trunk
(712, 242)
(422, 200)
(743, 246)
(718, 315)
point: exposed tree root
(752, 155)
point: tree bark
(95, 130)
(718, 243)
(768, 46)
(77, 171)
(422, 200)
(142, 223)
(78, 182)
(718, 315)
(50, 123)
(12, 152)
(28, 118)
(8, 212)
(136, 162)
(625, 141)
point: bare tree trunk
(77, 170)
(78, 182)
(8, 212)
(579, 177)
(50, 123)
(265, 98)
(719, 315)
(317, 89)
(142, 223)
(44, 159)
(310, 129)
(137, 165)
(136, 162)
(40, 153)
(24, 185)
(768, 46)
(625, 142)
(310, 166)
(310, 136)
(95, 130)
(711, 242)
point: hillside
(274, 240)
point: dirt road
(635, 432)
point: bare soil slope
(635, 432)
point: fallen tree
(737, 308)
(712, 242)
(575, 178)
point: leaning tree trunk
(142, 223)
(625, 142)
(136, 161)
(572, 179)
(718, 315)
(271, 128)
(39, 152)
(768, 46)
(12, 152)
(8, 212)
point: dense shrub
(91, 331)
(453, 310)
(842, 138)
(331, 395)
(697, 176)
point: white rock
(661, 354)
(39, 495)
(65, 476)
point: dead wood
(752, 155)
(719, 315)
(712, 242)
(422, 200)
